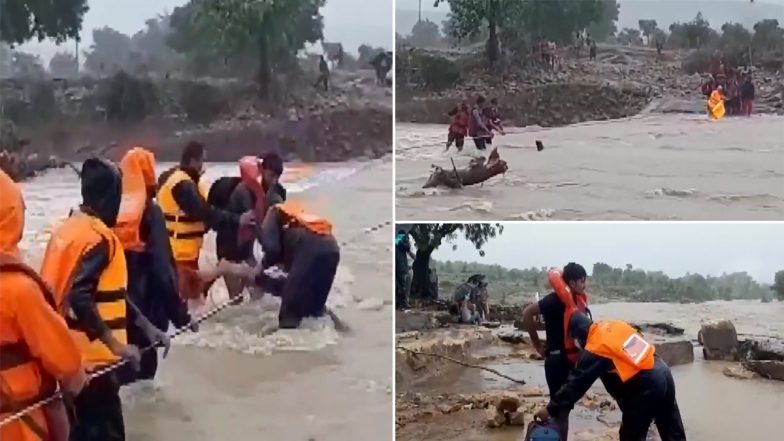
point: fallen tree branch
(477, 171)
(462, 363)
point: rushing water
(237, 377)
(668, 167)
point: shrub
(201, 102)
(437, 73)
(125, 98)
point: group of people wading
(578, 351)
(477, 122)
(118, 270)
(729, 92)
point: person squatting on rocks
(85, 266)
(36, 348)
(632, 373)
(560, 354)
(402, 271)
(458, 128)
(257, 189)
(466, 297)
(183, 199)
(304, 246)
(152, 276)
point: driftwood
(477, 171)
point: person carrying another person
(458, 128)
(477, 126)
(632, 373)
(747, 94)
(716, 104)
(183, 199)
(152, 276)
(84, 264)
(303, 244)
(560, 354)
(402, 272)
(36, 348)
(464, 298)
(257, 189)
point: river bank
(234, 378)
(446, 401)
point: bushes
(125, 98)
(437, 73)
(699, 62)
(201, 102)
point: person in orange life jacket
(556, 365)
(236, 245)
(36, 348)
(306, 249)
(85, 266)
(632, 373)
(152, 277)
(189, 216)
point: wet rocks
(505, 413)
(659, 328)
(513, 337)
(505, 314)
(719, 340)
(413, 321)
(770, 369)
(675, 352)
(739, 372)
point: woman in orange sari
(716, 104)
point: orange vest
(623, 345)
(294, 215)
(23, 381)
(138, 174)
(76, 236)
(572, 303)
(186, 235)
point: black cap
(273, 162)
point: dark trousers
(556, 371)
(653, 400)
(99, 412)
(309, 281)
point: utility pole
(420, 11)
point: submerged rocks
(513, 336)
(770, 369)
(719, 340)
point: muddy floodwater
(236, 379)
(714, 407)
(648, 167)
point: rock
(739, 372)
(413, 321)
(675, 352)
(664, 329)
(516, 419)
(370, 304)
(513, 336)
(719, 340)
(773, 370)
(508, 403)
(532, 391)
(762, 349)
(494, 418)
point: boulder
(413, 321)
(513, 336)
(719, 340)
(675, 352)
(773, 370)
(739, 372)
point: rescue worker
(183, 200)
(257, 189)
(560, 354)
(458, 128)
(632, 373)
(36, 348)
(304, 246)
(85, 266)
(152, 277)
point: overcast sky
(674, 248)
(351, 22)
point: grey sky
(351, 22)
(674, 248)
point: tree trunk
(420, 282)
(477, 171)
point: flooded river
(648, 167)
(235, 379)
(714, 407)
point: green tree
(111, 51)
(425, 33)
(768, 35)
(428, 237)
(647, 27)
(26, 65)
(605, 27)
(778, 284)
(64, 65)
(23, 20)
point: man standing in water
(558, 363)
(747, 94)
(477, 129)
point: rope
(462, 363)
(230, 302)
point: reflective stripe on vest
(68, 244)
(295, 215)
(623, 345)
(572, 303)
(186, 234)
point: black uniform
(556, 365)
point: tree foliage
(64, 65)
(695, 34)
(647, 27)
(778, 284)
(24, 65)
(626, 283)
(425, 33)
(604, 27)
(23, 20)
(111, 52)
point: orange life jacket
(623, 345)
(138, 174)
(251, 177)
(294, 215)
(76, 236)
(572, 303)
(23, 381)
